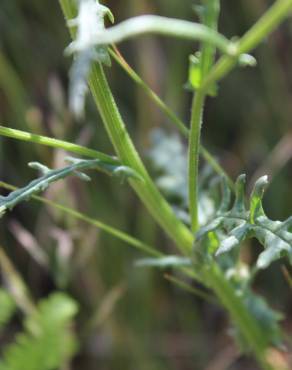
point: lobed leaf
(47, 341)
(239, 224)
(50, 176)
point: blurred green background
(132, 318)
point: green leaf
(163, 262)
(266, 317)
(277, 241)
(50, 176)
(235, 238)
(47, 342)
(239, 224)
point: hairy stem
(194, 148)
(116, 129)
(210, 19)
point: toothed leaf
(50, 176)
(240, 224)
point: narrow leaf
(163, 262)
(50, 176)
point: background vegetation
(132, 317)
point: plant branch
(115, 53)
(207, 55)
(116, 129)
(117, 56)
(153, 24)
(280, 10)
(193, 157)
(136, 243)
(247, 324)
(55, 143)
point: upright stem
(116, 129)
(210, 19)
(194, 149)
(168, 113)
(212, 274)
(247, 324)
(266, 24)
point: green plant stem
(213, 276)
(116, 129)
(125, 149)
(84, 151)
(121, 235)
(190, 289)
(92, 153)
(280, 10)
(249, 328)
(115, 53)
(81, 150)
(210, 19)
(117, 56)
(194, 148)
(55, 143)
(153, 24)
(266, 24)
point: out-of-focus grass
(152, 324)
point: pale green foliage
(240, 223)
(47, 342)
(49, 176)
(240, 278)
(7, 307)
(164, 262)
(172, 180)
(266, 317)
